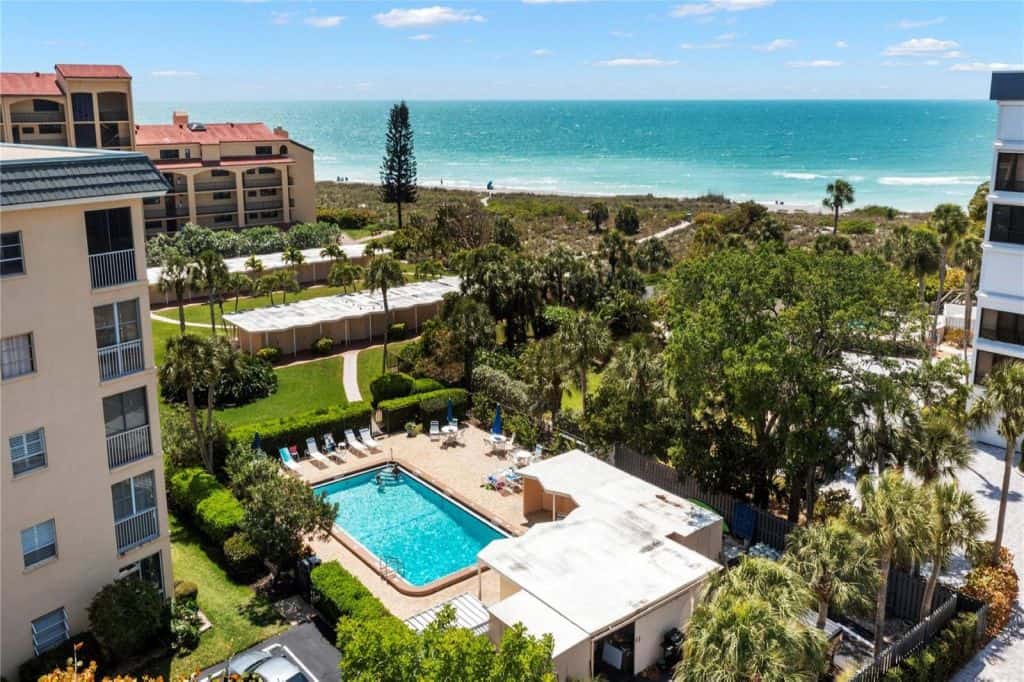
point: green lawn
(239, 616)
(572, 399)
(161, 332)
(300, 388)
(369, 365)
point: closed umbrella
(451, 411)
(496, 427)
(256, 443)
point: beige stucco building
(82, 499)
(221, 175)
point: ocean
(909, 154)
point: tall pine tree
(398, 169)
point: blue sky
(533, 49)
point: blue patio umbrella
(496, 427)
(256, 442)
(451, 411)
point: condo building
(999, 326)
(221, 175)
(82, 499)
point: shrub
(126, 617)
(996, 586)
(179, 440)
(426, 385)
(184, 625)
(185, 590)
(390, 385)
(496, 386)
(323, 346)
(270, 354)
(45, 663)
(831, 504)
(346, 218)
(214, 509)
(338, 594)
(396, 331)
(263, 239)
(424, 406)
(247, 379)
(856, 226)
(627, 221)
(280, 432)
(948, 652)
(311, 235)
(241, 558)
(887, 212)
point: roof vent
(196, 127)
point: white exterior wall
(650, 629)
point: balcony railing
(37, 117)
(119, 115)
(161, 212)
(121, 359)
(128, 446)
(263, 182)
(136, 530)
(221, 185)
(116, 142)
(112, 268)
(266, 204)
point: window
(252, 193)
(81, 106)
(116, 323)
(12, 260)
(44, 105)
(17, 356)
(28, 130)
(125, 411)
(264, 150)
(268, 192)
(223, 218)
(266, 171)
(1007, 224)
(148, 569)
(28, 451)
(169, 154)
(152, 201)
(986, 362)
(269, 214)
(85, 135)
(250, 171)
(999, 325)
(188, 152)
(109, 230)
(110, 135)
(39, 543)
(133, 496)
(218, 196)
(219, 173)
(1010, 173)
(252, 216)
(50, 630)
(284, 150)
(50, 129)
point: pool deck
(457, 471)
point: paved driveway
(1003, 659)
(306, 646)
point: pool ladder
(389, 566)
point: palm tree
(472, 329)
(428, 270)
(344, 274)
(839, 194)
(836, 563)
(749, 627)
(286, 281)
(1002, 402)
(209, 272)
(892, 518)
(938, 446)
(584, 338)
(294, 257)
(254, 266)
(193, 361)
(614, 248)
(266, 285)
(954, 521)
(967, 255)
(950, 222)
(915, 250)
(174, 277)
(334, 252)
(383, 273)
(236, 283)
(597, 213)
(545, 364)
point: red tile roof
(29, 84)
(215, 133)
(92, 71)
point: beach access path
(666, 232)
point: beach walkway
(666, 232)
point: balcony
(128, 446)
(263, 182)
(161, 213)
(215, 185)
(37, 117)
(136, 530)
(121, 360)
(112, 268)
(268, 204)
(114, 115)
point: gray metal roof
(470, 613)
(32, 175)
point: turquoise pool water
(429, 535)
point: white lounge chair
(288, 462)
(313, 451)
(332, 448)
(354, 444)
(367, 438)
(435, 430)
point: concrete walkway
(1003, 659)
(175, 322)
(350, 374)
(666, 232)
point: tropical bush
(312, 235)
(179, 440)
(84, 645)
(832, 504)
(493, 386)
(270, 354)
(396, 331)
(947, 653)
(323, 346)
(887, 212)
(426, 385)
(243, 381)
(390, 385)
(346, 218)
(185, 590)
(241, 558)
(338, 594)
(627, 221)
(280, 432)
(263, 239)
(126, 617)
(856, 226)
(996, 585)
(214, 509)
(184, 625)
(423, 406)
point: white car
(266, 667)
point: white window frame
(60, 629)
(134, 569)
(136, 509)
(20, 445)
(34, 531)
(21, 254)
(31, 355)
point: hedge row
(295, 429)
(216, 512)
(946, 654)
(399, 385)
(338, 594)
(423, 407)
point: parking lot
(304, 645)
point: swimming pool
(422, 534)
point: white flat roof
(326, 309)
(470, 613)
(611, 557)
(272, 261)
(523, 607)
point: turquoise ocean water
(909, 154)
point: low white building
(623, 563)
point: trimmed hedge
(295, 429)
(390, 385)
(947, 653)
(338, 594)
(426, 385)
(216, 512)
(346, 218)
(423, 407)
(241, 558)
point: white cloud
(842, 44)
(916, 47)
(621, 34)
(906, 24)
(814, 64)
(173, 73)
(636, 61)
(954, 54)
(698, 9)
(542, 52)
(325, 22)
(982, 66)
(425, 16)
(422, 36)
(775, 45)
(725, 37)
